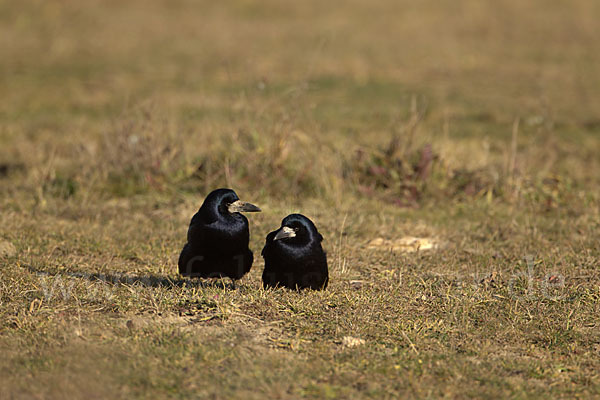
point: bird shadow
(148, 280)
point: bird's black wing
(196, 231)
(268, 241)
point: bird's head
(297, 229)
(226, 202)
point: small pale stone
(377, 242)
(407, 244)
(350, 341)
(7, 249)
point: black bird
(294, 257)
(217, 239)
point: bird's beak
(242, 206)
(285, 232)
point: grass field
(474, 124)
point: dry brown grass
(469, 122)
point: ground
(472, 124)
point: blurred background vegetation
(410, 102)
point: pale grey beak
(242, 206)
(285, 232)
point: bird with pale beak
(217, 238)
(294, 257)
